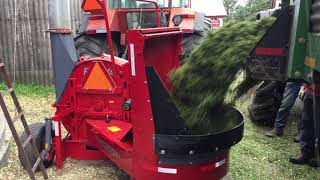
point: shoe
(296, 139)
(274, 132)
(299, 159)
(314, 162)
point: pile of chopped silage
(200, 85)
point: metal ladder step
(10, 90)
(26, 142)
(35, 166)
(17, 117)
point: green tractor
(290, 51)
(266, 100)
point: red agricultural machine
(126, 15)
(121, 110)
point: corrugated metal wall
(24, 42)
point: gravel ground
(255, 157)
(36, 109)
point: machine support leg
(58, 144)
(48, 137)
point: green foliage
(230, 5)
(200, 86)
(252, 8)
(249, 11)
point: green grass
(261, 157)
(31, 89)
(255, 157)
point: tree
(230, 6)
(251, 9)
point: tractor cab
(127, 4)
(174, 3)
(125, 15)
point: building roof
(209, 7)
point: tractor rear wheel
(265, 102)
(192, 40)
(93, 45)
(90, 45)
(38, 133)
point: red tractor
(125, 15)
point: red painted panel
(270, 51)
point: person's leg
(296, 139)
(307, 130)
(290, 95)
(317, 123)
(315, 162)
(307, 133)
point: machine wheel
(265, 102)
(38, 132)
(93, 45)
(192, 40)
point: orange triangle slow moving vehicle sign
(98, 80)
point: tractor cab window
(142, 17)
(114, 4)
(134, 4)
(173, 3)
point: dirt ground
(36, 109)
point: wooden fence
(24, 40)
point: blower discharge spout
(64, 54)
(59, 16)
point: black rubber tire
(91, 45)
(38, 132)
(314, 16)
(192, 40)
(265, 102)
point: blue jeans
(310, 125)
(290, 95)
